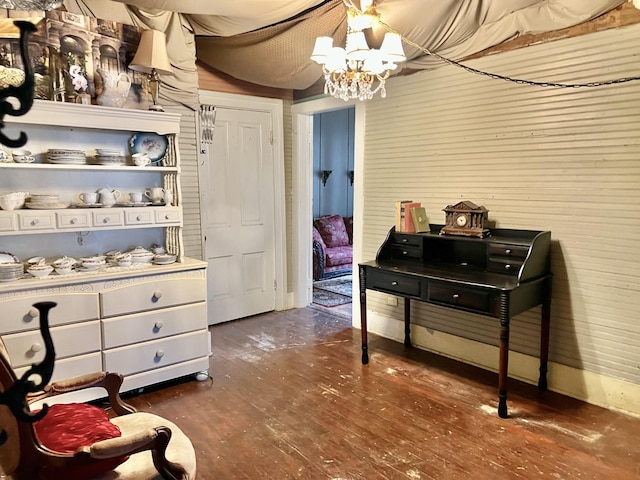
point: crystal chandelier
(357, 71)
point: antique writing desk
(500, 276)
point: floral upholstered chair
(332, 246)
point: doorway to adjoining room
(333, 175)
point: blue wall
(333, 134)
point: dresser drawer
(167, 215)
(8, 222)
(37, 220)
(518, 252)
(108, 217)
(468, 299)
(120, 331)
(393, 283)
(138, 217)
(25, 348)
(71, 367)
(157, 353)
(19, 313)
(152, 294)
(73, 218)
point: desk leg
(407, 322)
(504, 355)
(544, 335)
(363, 315)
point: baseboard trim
(607, 392)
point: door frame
(275, 108)
(302, 193)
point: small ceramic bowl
(63, 270)
(40, 271)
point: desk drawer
(400, 239)
(504, 265)
(518, 252)
(458, 297)
(394, 283)
(406, 251)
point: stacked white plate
(44, 202)
(109, 157)
(11, 271)
(10, 267)
(65, 156)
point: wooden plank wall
(558, 159)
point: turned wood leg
(363, 316)
(544, 335)
(407, 322)
(504, 355)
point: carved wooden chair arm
(111, 382)
(152, 439)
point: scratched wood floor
(289, 398)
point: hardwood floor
(289, 398)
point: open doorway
(333, 175)
(302, 195)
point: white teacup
(89, 198)
(135, 197)
(22, 156)
(155, 194)
(141, 159)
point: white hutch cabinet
(147, 321)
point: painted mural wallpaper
(80, 59)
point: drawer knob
(455, 295)
(395, 284)
(138, 218)
(404, 240)
(35, 221)
(160, 353)
(404, 252)
(36, 347)
(507, 266)
(157, 294)
(508, 251)
(166, 217)
(73, 221)
(159, 324)
(105, 220)
(33, 313)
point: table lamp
(151, 58)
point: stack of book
(411, 217)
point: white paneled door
(239, 220)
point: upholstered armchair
(80, 441)
(332, 246)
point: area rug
(333, 291)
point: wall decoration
(75, 59)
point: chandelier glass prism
(357, 71)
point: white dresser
(147, 321)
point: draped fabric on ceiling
(269, 42)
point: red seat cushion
(66, 427)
